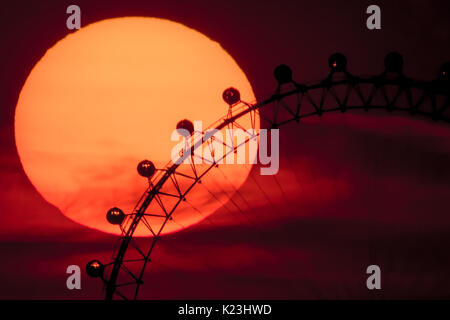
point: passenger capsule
(337, 62)
(94, 269)
(231, 96)
(115, 216)
(146, 168)
(444, 72)
(185, 126)
(393, 62)
(283, 74)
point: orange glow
(109, 96)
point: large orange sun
(108, 96)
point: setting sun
(108, 96)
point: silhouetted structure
(231, 96)
(398, 93)
(115, 216)
(95, 269)
(146, 168)
(185, 125)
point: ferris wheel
(168, 187)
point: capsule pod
(444, 72)
(283, 74)
(184, 127)
(146, 168)
(337, 62)
(94, 269)
(393, 62)
(115, 216)
(231, 96)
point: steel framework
(291, 102)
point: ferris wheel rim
(428, 87)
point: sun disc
(108, 96)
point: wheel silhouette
(340, 91)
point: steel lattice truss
(292, 101)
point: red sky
(357, 189)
